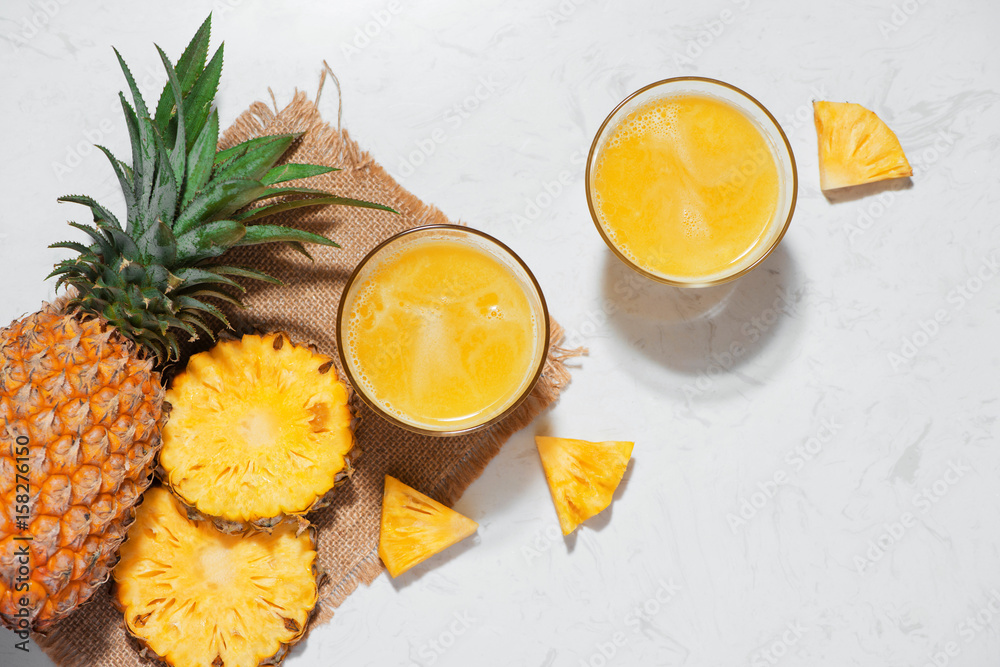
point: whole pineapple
(81, 405)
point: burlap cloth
(306, 308)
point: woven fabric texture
(306, 308)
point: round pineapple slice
(259, 429)
(195, 596)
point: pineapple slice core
(855, 146)
(214, 565)
(582, 475)
(415, 527)
(259, 428)
(196, 596)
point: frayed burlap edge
(553, 380)
(343, 151)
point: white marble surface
(837, 445)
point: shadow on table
(692, 330)
(434, 562)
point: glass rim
(372, 403)
(697, 282)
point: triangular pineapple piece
(582, 475)
(855, 146)
(415, 527)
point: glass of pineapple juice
(442, 330)
(691, 182)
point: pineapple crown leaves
(186, 204)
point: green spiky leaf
(99, 212)
(186, 204)
(159, 244)
(198, 101)
(274, 233)
(123, 173)
(103, 246)
(178, 153)
(189, 67)
(195, 276)
(293, 172)
(210, 240)
(241, 149)
(257, 160)
(201, 159)
(254, 214)
(243, 272)
(217, 200)
(83, 250)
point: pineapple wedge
(415, 527)
(582, 475)
(196, 597)
(855, 146)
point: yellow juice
(686, 187)
(442, 335)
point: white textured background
(487, 109)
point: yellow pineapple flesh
(259, 429)
(80, 419)
(81, 408)
(582, 475)
(416, 527)
(855, 146)
(195, 596)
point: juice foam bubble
(685, 186)
(440, 333)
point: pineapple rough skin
(89, 410)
